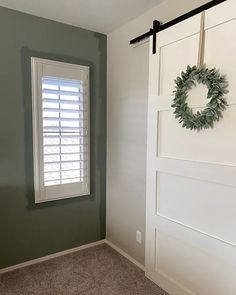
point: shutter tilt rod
(158, 27)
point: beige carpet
(95, 271)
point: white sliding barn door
(191, 176)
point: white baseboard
(123, 253)
(48, 257)
(171, 286)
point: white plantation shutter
(61, 129)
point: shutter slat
(63, 145)
(57, 82)
(52, 119)
(64, 154)
(67, 170)
(67, 162)
(63, 136)
(46, 128)
(67, 178)
(62, 92)
(65, 101)
(64, 110)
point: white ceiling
(101, 16)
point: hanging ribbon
(201, 49)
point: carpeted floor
(94, 271)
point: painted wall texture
(29, 231)
(127, 126)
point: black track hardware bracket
(158, 27)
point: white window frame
(40, 68)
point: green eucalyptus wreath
(217, 87)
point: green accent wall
(29, 231)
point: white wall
(127, 127)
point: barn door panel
(191, 187)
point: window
(60, 130)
